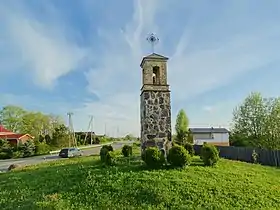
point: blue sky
(83, 56)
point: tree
(60, 136)
(42, 126)
(181, 127)
(11, 117)
(256, 122)
(36, 124)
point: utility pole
(105, 129)
(89, 129)
(118, 130)
(72, 139)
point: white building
(215, 136)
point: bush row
(108, 156)
(26, 149)
(179, 156)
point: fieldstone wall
(155, 119)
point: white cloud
(40, 48)
(116, 76)
(190, 72)
(118, 73)
(206, 69)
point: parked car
(70, 152)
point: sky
(84, 57)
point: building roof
(4, 130)
(14, 136)
(208, 130)
(153, 56)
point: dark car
(70, 152)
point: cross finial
(153, 40)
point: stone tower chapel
(155, 105)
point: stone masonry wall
(155, 118)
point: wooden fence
(264, 156)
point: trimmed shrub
(153, 157)
(209, 154)
(178, 156)
(127, 150)
(189, 148)
(109, 148)
(103, 153)
(110, 158)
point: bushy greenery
(189, 148)
(106, 154)
(27, 148)
(6, 151)
(181, 127)
(109, 147)
(42, 148)
(209, 154)
(83, 183)
(178, 156)
(110, 158)
(153, 157)
(127, 150)
(103, 153)
(137, 144)
(17, 153)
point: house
(215, 136)
(14, 138)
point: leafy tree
(60, 136)
(36, 124)
(11, 117)
(181, 127)
(256, 122)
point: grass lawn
(83, 183)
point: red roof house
(14, 138)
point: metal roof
(208, 130)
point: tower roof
(153, 56)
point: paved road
(4, 164)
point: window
(155, 75)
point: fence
(264, 156)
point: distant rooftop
(209, 130)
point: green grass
(84, 183)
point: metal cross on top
(153, 40)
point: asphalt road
(4, 164)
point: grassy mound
(85, 183)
